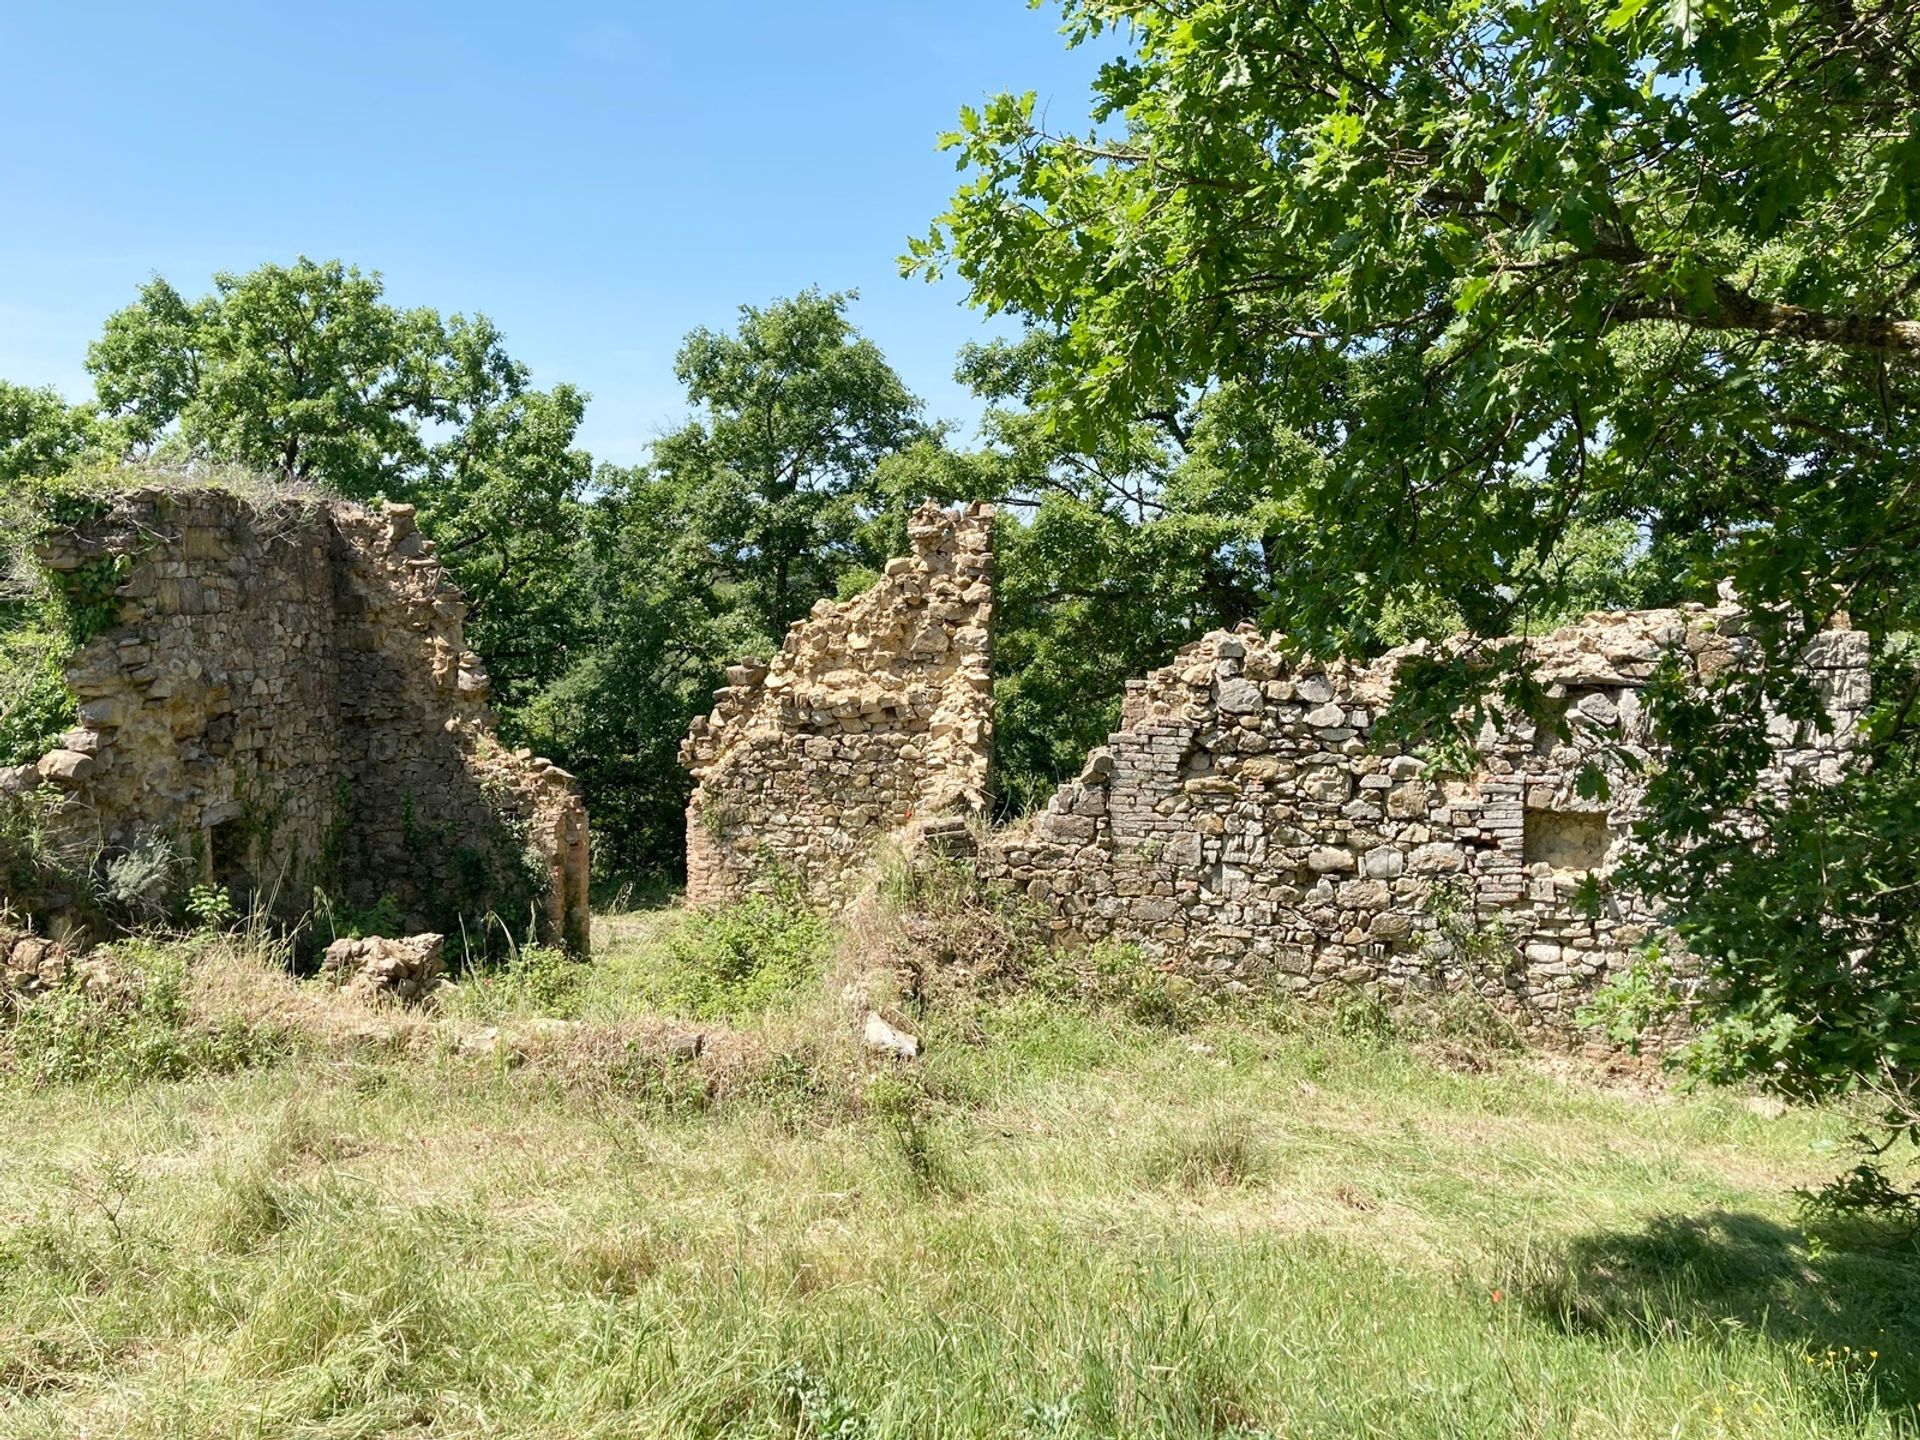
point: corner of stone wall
(876, 717)
(425, 692)
(282, 693)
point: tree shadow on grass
(1849, 1308)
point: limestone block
(66, 767)
(1327, 785)
(405, 970)
(1439, 858)
(1409, 801)
(1383, 862)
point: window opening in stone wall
(1567, 839)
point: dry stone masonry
(407, 970)
(1243, 825)
(30, 964)
(283, 696)
(875, 718)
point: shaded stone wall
(286, 697)
(875, 717)
(1243, 826)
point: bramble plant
(210, 907)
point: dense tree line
(607, 600)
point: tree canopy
(1491, 276)
(763, 503)
(775, 472)
(41, 435)
(306, 371)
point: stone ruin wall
(285, 696)
(875, 718)
(1243, 827)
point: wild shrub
(142, 885)
(45, 618)
(942, 925)
(909, 1117)
(210, 907)
(1120, 976)
(745, 958)
(536, 980)
(1637, 1002)
(32, 863)
(138, 1029)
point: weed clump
(539, 980)
(128, 1021)
(909, 1117)
(729, 961)
(1222, 1153)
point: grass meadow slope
(239, 1207)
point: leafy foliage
(745, 517)
(735, 960)
(137, 1030)
(1485, 287)
(41, 436)
(306, 371)
(773, 478)
(43, 618)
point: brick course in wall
(286, 697)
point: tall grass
(1065, 1222)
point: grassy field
(249, 1212)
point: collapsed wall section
(875, 717)
(282, 697)
(1244, 826)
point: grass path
(1065, 1225)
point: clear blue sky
(597, 178)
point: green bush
(738, 959)
(536, 980)
(35, 704)
(1146, 993)
(341, 921)
(45, 618)
(136, 1030)
(31, 865)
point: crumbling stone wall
(284, 695)
(1243, 826)
(875, 717)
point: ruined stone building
(281, 694)
(1242, 825)
(876, 716)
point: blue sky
(597, 178)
